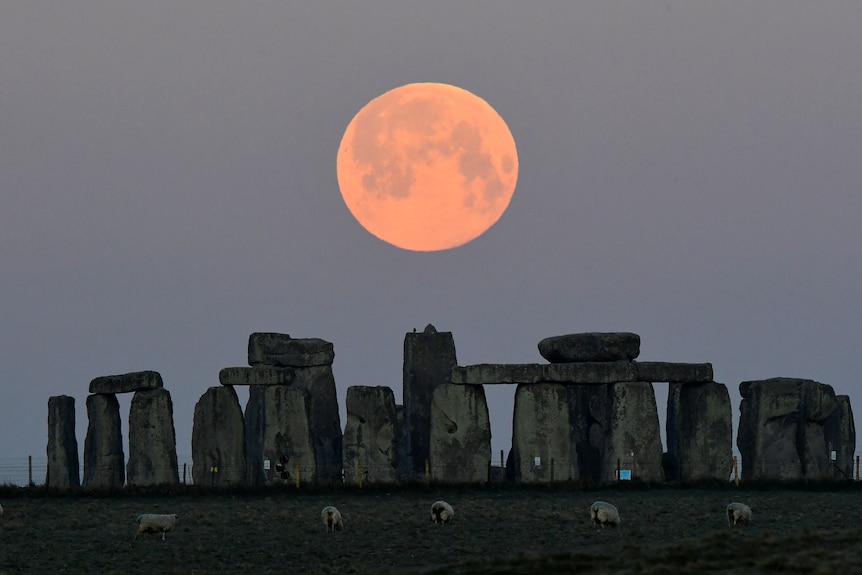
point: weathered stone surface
(281, 350)
(610, 346)
(405, 464)
(699, 430)
(152, 439)
(278, 437)
(491, 373)
(590, 373)
(63, 469)
(218, 439)
(624, 429)
(841, 434)
(257, 375)
(584, 373)
(127, 382)
(781, 428)
(542, 450)
(460, 447)
(673, 372)
(104, 459)
(324, 421)
(371, 436)
(428, 361)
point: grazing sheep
(603, 513)
(441, 512)
(738, 513)
(332, 519)
(155, 523)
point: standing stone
(625, 430)
(575, 347)
(324, 420)
(405, 464)
(152, 439)
(104, 458)
(841, 434)
(541, 435)
(428, 361)
(460, 444)
(782, 428)
(699, 430)
(254, 425)
(286, 446)
(371, 436)
(63, 470)
(218, 439)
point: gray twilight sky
(689, 171)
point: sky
(688, 171)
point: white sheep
(332, 519)
(155, 523)
(441, 512)
(738, 513)
(603, 513)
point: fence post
(736, 471)
(359, 472)
(30, 470)
(502, 461)
(184, 473)
(296, 472)
(857, 468)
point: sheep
(441, 512)
(603, 513)
(332, 519)
(155, 523)
(738, 513)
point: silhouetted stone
(286, 447)
(218, 439)
(611, 346)
(370, 436)
(152, 439)
(624, 428)
(254, 425)
(104, 460)
(841, 434)
(281, 350)
(127, 382)
(460, 446)
(428, 361)
(673, 372)
(781, 428)
(63, 470)
(541, 435)
(590, 373)
(257, 375)
(324, 421)
(586, 373)
(700, 430)
(491, 373)
(405, 464)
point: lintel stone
(659, 371)
(258, 375)
(127, 382)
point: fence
(24, 471)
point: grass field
(495, 530)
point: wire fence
(32, 471)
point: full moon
(427, 166)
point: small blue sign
(625, 474)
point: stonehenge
(588, 415)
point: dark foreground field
(503, 530)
